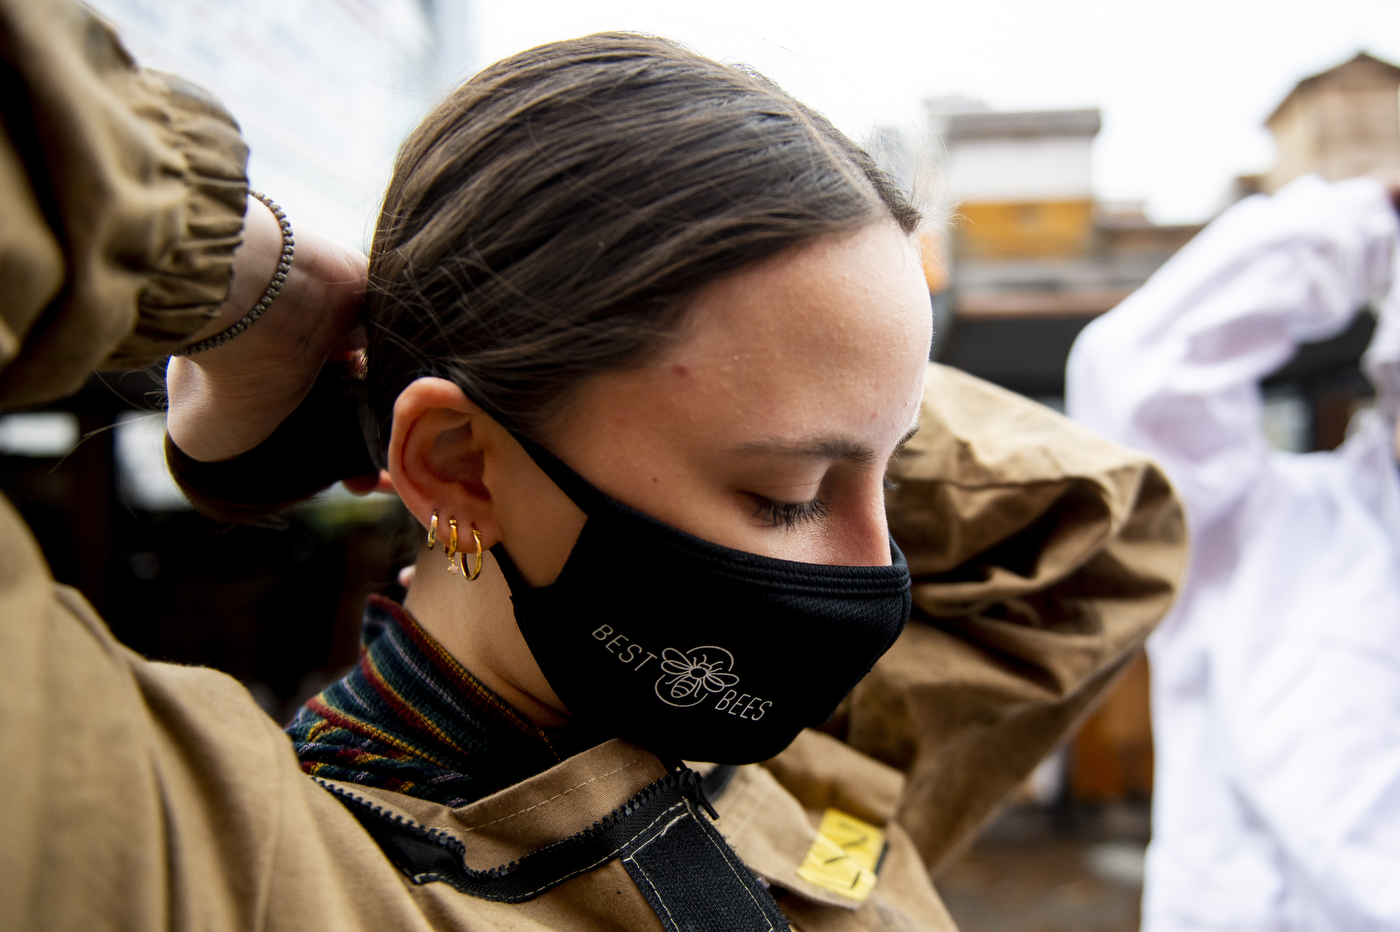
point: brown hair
(545, 222)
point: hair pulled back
(545, 222)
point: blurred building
(1033, 255)
(1341, 123)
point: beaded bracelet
(284, 265)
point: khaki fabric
(152, 796)
(122, 193)
(767, 825)
(1042, 555)
(770, 813)
(551, 806)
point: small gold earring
(476, 535)
(432, 531)
(454, 559)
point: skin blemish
(681, 369)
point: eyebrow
(826, 447)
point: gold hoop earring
(432, 531)
(476, 535)
(454, 558)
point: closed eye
(788, 515)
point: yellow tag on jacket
(845, 857)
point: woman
(644, 333)
(645, 376)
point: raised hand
(226, 400)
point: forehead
(833, 331)
(830, 337)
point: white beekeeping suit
(1276, 678)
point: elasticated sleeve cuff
(122, 194)
(186, 284)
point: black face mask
(696, 651)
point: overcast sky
(1184, 85)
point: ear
(438, 452)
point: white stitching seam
(423, 878)
(650, 883)
(545, 802)
(730, 864)
(723, 856)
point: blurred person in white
(1276, 678)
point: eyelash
(790, 515)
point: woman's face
(768, 426)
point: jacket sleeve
(1041, 555)
(122, 194)
(1175, 369)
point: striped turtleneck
(411, 719)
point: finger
(374, 482)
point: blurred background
(1066, 150)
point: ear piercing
(454, 556)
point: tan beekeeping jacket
(147, 796)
